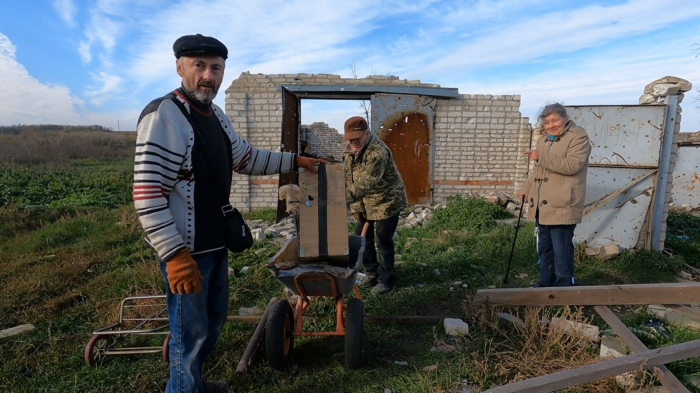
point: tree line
(19, 128)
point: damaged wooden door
(405, 124)
(291, 115)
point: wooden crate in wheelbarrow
(322, 261)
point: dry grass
(511, 353)
(33, 147)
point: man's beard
(204, 98)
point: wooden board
(666, 377)
(604, 369)
(323, 220)
(674, 293)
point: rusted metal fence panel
(623, 168)
(686, 174)
(405, 124)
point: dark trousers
(556, 248)
(384, 266)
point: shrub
(468, 213)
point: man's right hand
(359, 217)
(183, 274)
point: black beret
(192, 45)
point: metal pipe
(246, 361)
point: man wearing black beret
(186, 153)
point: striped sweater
(165, 191)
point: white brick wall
(477, 138)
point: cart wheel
(166, 349)
(354, 333)
(279, 335)
(96, 348)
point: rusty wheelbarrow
(317, 279)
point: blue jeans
(195, 322)
(556, 248)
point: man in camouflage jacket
(375, 194)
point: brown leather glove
(183, 274)
(359, 217)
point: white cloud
(562, 32)
(66, 10)
(601, 79)
(27, 100)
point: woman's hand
(533, 155)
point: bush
(468, 213)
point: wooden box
(323, 220)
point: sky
(100, 62)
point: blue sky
(102, 61)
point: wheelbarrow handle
(365, 228)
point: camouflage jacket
(373, 183)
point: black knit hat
(192, 45)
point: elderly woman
(555, 192)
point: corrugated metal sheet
(686, 177)
(622, 135)
(623, 166)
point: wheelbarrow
(105, 340)
(307, 280)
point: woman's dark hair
(553, 108)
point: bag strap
(226, 206)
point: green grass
(65, 267)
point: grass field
(72, 250)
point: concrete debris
(683, 85)
(590, 332)
(248, 311)
(614, 347)
(443, 348)
(455, 327)
(511, 318)
(231, 272)
(285, 229)
(400, 363)
(258, 234)
(603, 252)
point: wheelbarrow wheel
(166, 349)
(279, 334)
(96, 349)
(354, 333)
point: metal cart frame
(104, 341)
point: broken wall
(323, 140)
(477, 138)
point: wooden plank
(603, 369)
(671, 293)
(405, 319)
(666, 377)
(16, 330)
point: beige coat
(557, 185)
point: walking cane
(520, 215)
